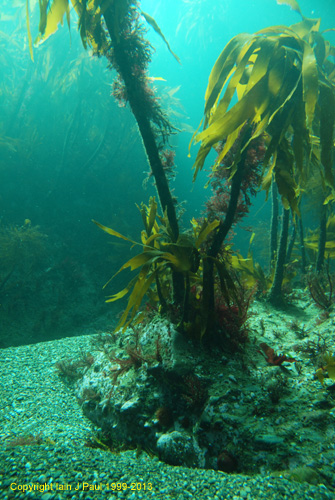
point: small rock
(178, 448)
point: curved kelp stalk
(127, 51)
(284, 81)
(130, 56)
(211, 262)
(275, 295)
(274, 224)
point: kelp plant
(127, 51)
(284, 80)
(113, 28)
(158, 256)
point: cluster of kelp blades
(284, 81)
(159, 257)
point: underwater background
(211, 372)
(70, 154)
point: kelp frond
(284, 80)
(90, 24)
(312, 239)
(252, 274)
(150, 20)
(51, 15)
(158, 258)
(329, 367)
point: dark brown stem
(291, 243)
(274, 223)
(275, 296)
(224, 227)
(302, 245)
(322, 239)
(137, 101)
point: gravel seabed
(34, 400)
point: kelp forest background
(70, 153)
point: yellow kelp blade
(222, 68)
(267, 178)
(193, 138)
(43, 15)
(143, 211)
(205, 230)
(303, 28)
(148, 241)
(329, 359)
(122, 293)
(54, 17)
(148, 214)
(329, 250)
(223, 124)
(246, 268)
(310, 80)
(155, 79)
(151, 217)
(330, 198)
(331, 222)
(30, 40)
(331, 370)
(231, 139)
(258, 51)
(172, 259)
(141, 286)
(147, 257)
(235, 76)
(141, 259)
(150, 20)
(252, 64)
(261, 60)
(114, 233)
(251, 272)
(183, 258)
(292, 3)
